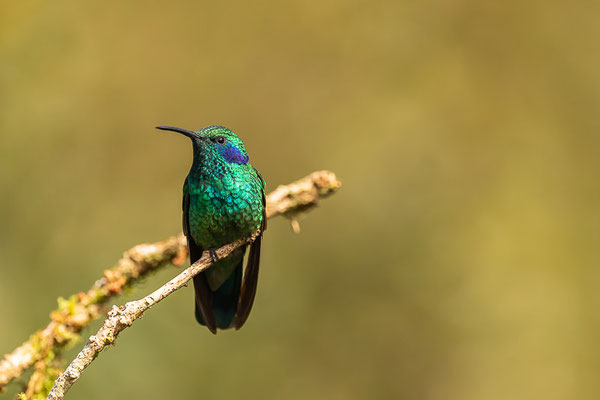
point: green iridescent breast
(226, 203)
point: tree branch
(119, 318)
(81, 309)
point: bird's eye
(220, 139)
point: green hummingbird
(223, 200)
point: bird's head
(216, 140)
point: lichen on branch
(76, 312)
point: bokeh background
(459, 260)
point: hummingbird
(223, 200)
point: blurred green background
(459, 260)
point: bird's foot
(213, 255)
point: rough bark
(79, 310)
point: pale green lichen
(36, 342)
(66, 335)
(49, 377)
(97, 296)
(110, 339)
(67, 305)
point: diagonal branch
(120, 318)
(81, 309)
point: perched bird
(223, 200)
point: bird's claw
(213, 255)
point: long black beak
(188, 133)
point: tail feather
(221, 304)
(203, 300)
(225, 299)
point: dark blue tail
(225, 299)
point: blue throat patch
(232, 154)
